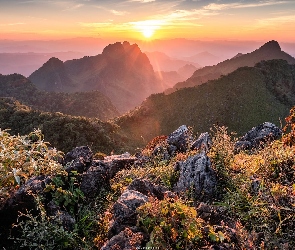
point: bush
(22, 157)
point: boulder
(60, 217)
(149, 189)
(22, 200)
(95, 178)
(204, 142)
(124, 210)
(196, 174)
(78, 159)
(127, 239)
(258, 136)
(179, 139)
(116, 163)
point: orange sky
(148, 19)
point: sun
(148, 27)
(148, 32)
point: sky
(148, 19)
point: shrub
(22, 157)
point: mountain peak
(271, 46)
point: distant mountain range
(162, 62)
(26, 63)
(204, 59)
(122, 72)
(240, 100)
(270, 50)
(88, 104)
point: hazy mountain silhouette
(204, 59)
(122, 72)
(170, 78)
(163, 62)
(88, 104)
(270, 50)
(240, 100)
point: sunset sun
(148, 32)
(148, 27)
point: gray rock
(203, 142)
(78, 159)
(61, 217)
(149, 189)
(124, 210)
(197, 175)
(22, 200)
(94, 179)
(117, 163)
(128, 239)
(258, 136)
(179, 139)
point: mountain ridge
(268, 51)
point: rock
(258, 136)
(21, 201)
(179, 139)
(61, 217)
(96, 177)
(203, 142)
(79, 159)
(128, 239)
(149, 189)
(124, 210)
(118, 162)
(196, 174)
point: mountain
(163, 62)
(270, 50)
(240, 100)
(204, 58)
(170, 78)
(26, 63)
(88, 104)
(122, 72)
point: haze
(180, 28)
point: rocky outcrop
(129, 238)
(78, 159)
(258, 136)
(196, 175)
(203, 142)
(179, 139)
(124, 210)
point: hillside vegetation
(88, 104)
(239, 100)
(252, 206)
(63, 131)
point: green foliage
(66, 195)
(89, 104)
(63, 131)
(22, 157)
(44, 232)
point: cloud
(275, 21)
(74, 7)
(119, 13)
(12, 24)
(142, 1)
(217, 7)
(95, 25)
